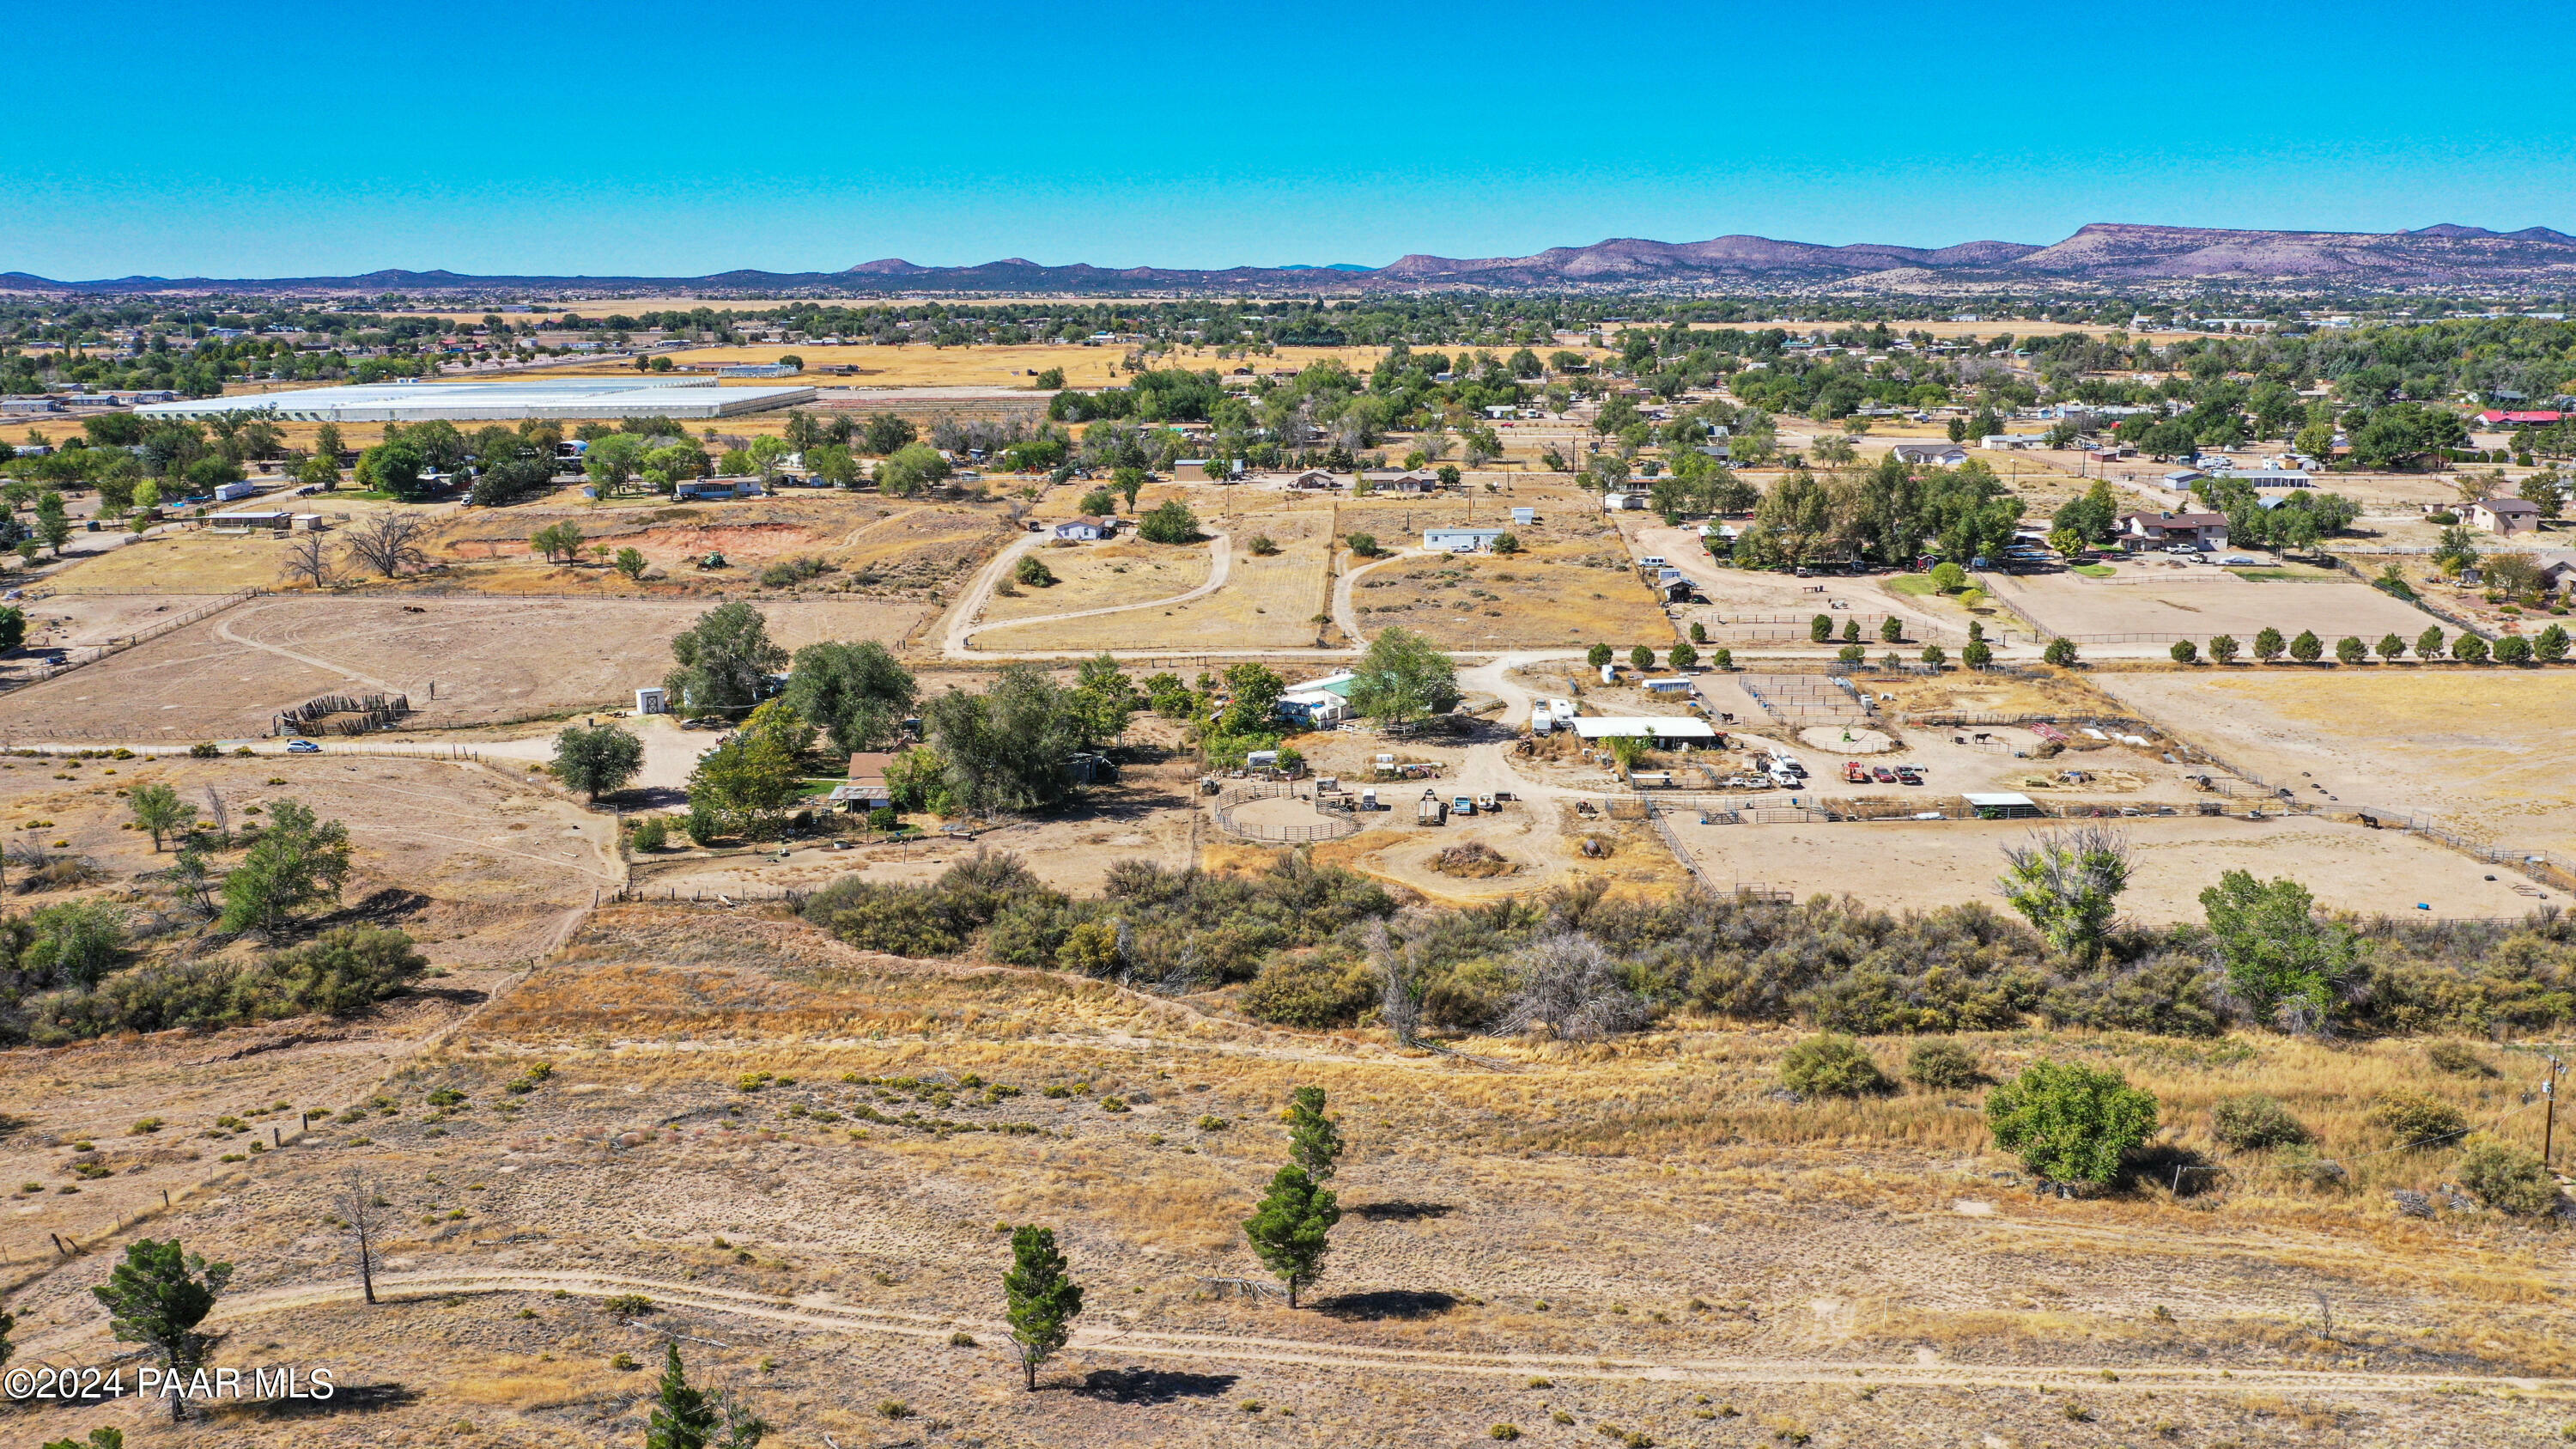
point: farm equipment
(1429, 811)
(1856, 773)
(713, 561)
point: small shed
(652, 700)
(1524, 517)
(2002, 805)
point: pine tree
(157, 1297)
(1291, 1230)
(1314, 1139)
(1043, 1299)
(683, 1419)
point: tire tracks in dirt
(1225, 1348)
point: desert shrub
(1032, 571)
(704, 824)
(2418, 1119)
(897, 919)
(788, 572)
(1261, 545)
(1940, 1065)
(650, 833)
(2507, 1176)
(1469, 995)
(2254, 1123)
(2452, 1055)
(1311, 990)
(1828, 1065)
(338, 972)
(2070, 1123)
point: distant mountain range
(2102, 254)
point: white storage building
(496, 401)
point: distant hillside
(2104, 253)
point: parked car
(302, 747)
(1883, 775)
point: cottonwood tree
(857, 693)
(597, 760)
(2067, 884)
(296, 862)
(361, 1207)
(389, 543)
(2284, 964)
(1291, 1229)
(157, 1297)
(725, 659)
(1402, 679)
(308, 557)
(158, 810)
(1042, 1299)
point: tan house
(867, 789)
(2505, 516)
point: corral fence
(1326, 827)
(92, 653)
(2337, 561)
(342, 714)
(701, 896)
(2540, 865)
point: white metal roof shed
(1657, 727)
(495, 400)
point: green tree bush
(1041, 1299)
(2070, 1123)
(1830, 1065)
(2252, 1122)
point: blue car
(303, 747)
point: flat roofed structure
(495, 401)
(1654, 727)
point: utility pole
(2549, 1117)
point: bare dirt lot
(1926, 865)
(491, 659)
(2199, 602)
(1584, 1243)
(2482, 750)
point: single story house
(716, 488)
(2204, 531)
(1618, 500)
(2495, 419)
(2181, 479)
(1087, 528)
(1524, 517)
(1408, 482)
(2506, 516)
(2557, 569)
(1460, 540)
(1938, 455)
(1314, 478)
(1200, 470)
(2267, 477)
(867, 789)
(1319, 702)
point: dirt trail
(1348, 621)
(817, 1313)
(1221, 565)
(224, 630)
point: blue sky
(650, 138)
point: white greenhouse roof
(495, 401)
(1651, 726)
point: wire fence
(92, 653)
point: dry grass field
(2202, 602)
(1558, 592)
(1267, 602)
(2483, 751)
(1103, 576)
(1633, 1243)
(1911, 865)
(491, 659)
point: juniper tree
(1314, 1139)
(1292, 1228)
(1043, 1299)
(157, 1297)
